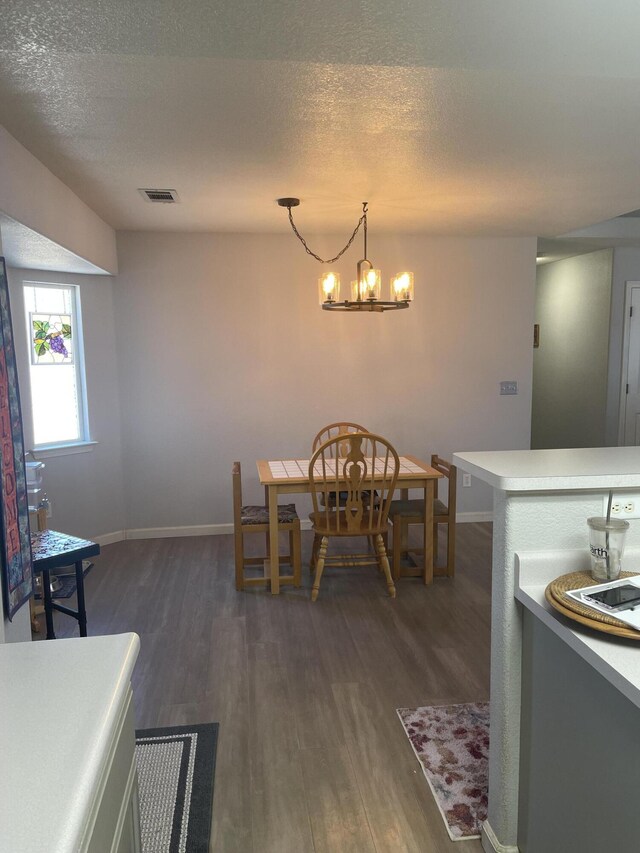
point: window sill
(50, 450)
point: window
(56, 364)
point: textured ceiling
(450, 117)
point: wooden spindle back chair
(340, 428)
(357, 465)
(333, 430)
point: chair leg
(404, 537)
(384, 562)
(400, 545)
(451, 549)
(294, 550)
(385, 539)
(239, 553)
(397, 545)
(322, 555)
(314, 552)
(372, 547)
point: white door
(631, 383)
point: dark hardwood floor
(311, 754)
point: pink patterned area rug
(452, 745)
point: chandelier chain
(361, 221)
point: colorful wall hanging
(15, 546)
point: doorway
(629, 428)
(570, 364)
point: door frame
(622, 413)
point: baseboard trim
(189, 530)
(221, 529)
(171, 532)
(467, 517)
(110, 538)
(490, 843)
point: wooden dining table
(291, 476)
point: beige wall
(225, 354)
(86, 489)
(569, 400)
(33, 196)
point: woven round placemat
(555, 595)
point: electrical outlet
(466, 480)
(623, 506)
(509, 387)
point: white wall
(570, 366)
(626, 267)
(86, 489)
(225, 354)
(33, 196)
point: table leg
(82, 611)
(274, 556)
(429, 494)
(267, 534)
(48, 604)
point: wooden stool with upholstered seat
(406, 512)
(255, 519)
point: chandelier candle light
(365, 290)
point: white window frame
(84, 443)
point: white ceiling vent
(160, 196)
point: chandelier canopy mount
(288, 202)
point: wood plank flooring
(311, 755)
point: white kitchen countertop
(554, 470)
(616, 659)
(60, 706)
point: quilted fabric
(343, 498)
(416, 507)
(260, 514)
(50, 543)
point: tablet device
(615, 598)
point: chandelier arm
(363, 219)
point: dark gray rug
(175, 777)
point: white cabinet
(67, 772)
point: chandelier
(366, 289)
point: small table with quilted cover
(53, 550)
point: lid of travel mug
(599, 523)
